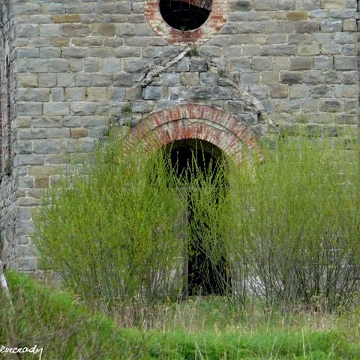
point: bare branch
(160, 68)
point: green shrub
(293, 226)
(285, 230)
(111, 231)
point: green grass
(196, 329)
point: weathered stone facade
(70, 67)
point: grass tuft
(67, 329)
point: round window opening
(185, 15)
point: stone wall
(77, 66)
(8, 173)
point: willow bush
(111, 229)
(285, 230)
(207, 254)
(293, 224)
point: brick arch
(192, 121)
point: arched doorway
(197, 163)
(199, 135)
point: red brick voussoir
(192, 121)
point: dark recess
(204, 275)
(183, 15)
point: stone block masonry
(68, 68)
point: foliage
(293, 224)
(66, 329)
(110, 230)
(285, 230)
(193, 52)
(57, 323)
(127, 109)
(207, 255)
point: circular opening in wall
(185, 15)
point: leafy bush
(207, 254)
(285, 230)
(111, 229)
(293, 224)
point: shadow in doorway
(205, 272)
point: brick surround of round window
(214, 23)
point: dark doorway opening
(185, 15)
(205, 273)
